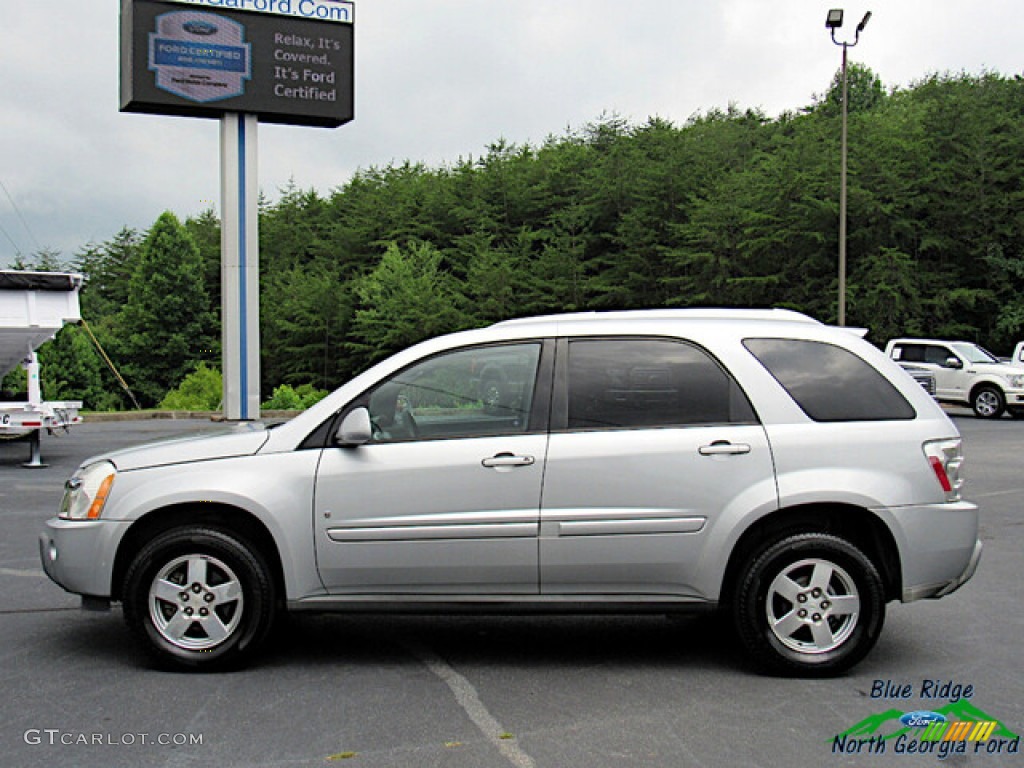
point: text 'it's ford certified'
(757, 462)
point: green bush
(201, 390)
(283, 399)
(288, 398)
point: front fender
(989, 380)
(276, 489)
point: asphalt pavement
(563, 692)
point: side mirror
(953, 362)
(355, 428)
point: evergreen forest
(730, 208)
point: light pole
(834, 21)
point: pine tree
(161, 328)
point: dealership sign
(287, 61)
(320, 10)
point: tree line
(729, 208)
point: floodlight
(834, 20)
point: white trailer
(33, 307)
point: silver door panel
(631, 510)
(429, 516)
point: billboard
(286, 61)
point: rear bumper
(939, 548)
(964, 577)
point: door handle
(723, 448)
(502, 460)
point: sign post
(240, 267)
(242, 62)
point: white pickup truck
(1018, 355)
(966, 374)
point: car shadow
(331, 643)
(509, 642)
(506, 641)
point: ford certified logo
(204, 28)
(921, 718)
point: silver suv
(753, 461)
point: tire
(809, 605)
(199, 599)
(988, 402)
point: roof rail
(689, 313)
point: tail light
(946, 458)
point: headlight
(1016, 380)
(86, 492)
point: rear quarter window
(830, 383)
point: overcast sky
(436, 80)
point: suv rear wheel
(199, 598)
(809, 604)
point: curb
(99, 417)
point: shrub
(202, 390)
(287, 398)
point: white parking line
(993, 494)
(24, 573)
(469, 700)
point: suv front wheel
(809, 604)
(199, 598)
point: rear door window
(909, 353)
(636, 383)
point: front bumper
(1014, 397)
(79, 554)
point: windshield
(972, 353)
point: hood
(246, 441)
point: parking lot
(494, 691)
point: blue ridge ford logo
(922, 718)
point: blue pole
(243, 335)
